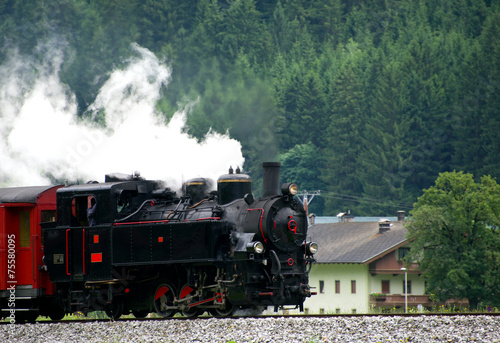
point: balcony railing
(374, 270)
(398, 300)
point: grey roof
(355, 242)
(22, 194)
(327, 219)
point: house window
(322, 286)
(337, 286)
(353, 311)
(402, 253)
(321, 311)
(337, 310)
(408, 283)
(353, 286)
(386, 289)
(306, 310)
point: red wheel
(226, 311)
(189, 312)
(164, 301)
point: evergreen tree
(428, 136)
(311, 110)
(489, 86)
(385, 151)
(476, 112)
(345, 131)
(243, 32)
(283, 29)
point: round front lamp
(256, 247)
(289, 189)
(312, 248)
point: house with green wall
(358, 268)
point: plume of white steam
(40, 133)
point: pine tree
(345, 131)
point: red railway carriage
(24, 282)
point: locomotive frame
(143, 249)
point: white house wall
(366, 284)
(344, 302)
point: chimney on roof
(401, 216)
(348, 217)
(384, 225)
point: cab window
(81, 207)
(47, 216)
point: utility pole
(306, 198)
(406, 288)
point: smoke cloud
(42, 138)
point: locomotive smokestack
(271, 178)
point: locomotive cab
(113, 200)
(85, 214)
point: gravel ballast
(266, 329)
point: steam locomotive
(134, 245)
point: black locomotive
(133, 245)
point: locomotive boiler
(133, 245)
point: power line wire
(353, 198)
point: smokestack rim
(271, 164)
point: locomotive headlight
(256, 247)
(289, 189)
(312, 248)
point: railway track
(284, 316)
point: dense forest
(366, 101)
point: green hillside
(367, 101)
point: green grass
(437, 309)
(445, 309)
